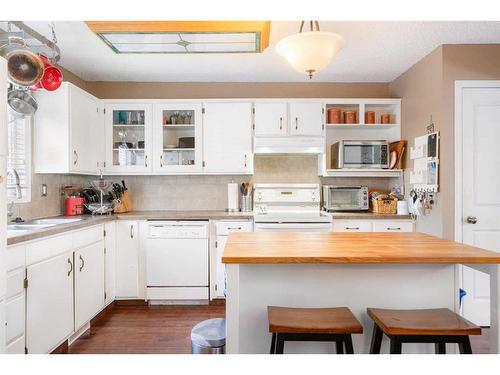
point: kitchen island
(356, 270)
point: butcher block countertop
(350, 248)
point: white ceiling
(374, 52)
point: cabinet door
(84, 122)
(128, 137)
(269, 119)
(177, 138)
(89, 282)
(127, 259)
(306, 119)
(220, 278)
(227, 138)
(110, 262)
(49, 303)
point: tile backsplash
(189, 192)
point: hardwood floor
(163, 330)
(144, 330)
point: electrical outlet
(44, 190)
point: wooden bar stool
(312, 324)
(435, 326)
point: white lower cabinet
(222, 230)
(372, 225)
(49, 302)
(109, 262)
(15, 317)
(127, 259)
(89, 282)
(2, 326)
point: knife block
(125, 205)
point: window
(19, 157)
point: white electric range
(289, 207)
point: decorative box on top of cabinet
(128, 128)
(68, 132)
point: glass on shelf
(174, 117)
(128, 118)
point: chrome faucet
(13, 172)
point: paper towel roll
(232, 196)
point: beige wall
(429, 88)
(420, 88)
(189, 90)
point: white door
(84, 125)
(227, 138)
(128, 137)
(89, 282)
(220, 285)
(110, 262)
(481, 187)
(270, 119)
(177, 262)
(306, 119)
(49, 303)
(177, 129)
(127, 259)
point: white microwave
(360, 154)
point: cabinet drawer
(351, 226)
(392, 226)
(16, 347)
(224, 227)
(48, 248)
(88, 236)
(15, 282)
(15, 257)
(14, 318)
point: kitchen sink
(54, 221)
(27, 227)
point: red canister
(74, 206)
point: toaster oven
(345, 198)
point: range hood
(289, 145)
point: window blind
(19, 157)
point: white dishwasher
(177, 259)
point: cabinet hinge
(203, 110)
(104, 110)
(105, 295)
(323, 126)
(104, 232)
(215, 286)
(104, 164)
(25, 283)
(104, 250)
(97, 109)
(203, 164)
(253, 126)
(253, 110)
(323, 111)
(215, 243)
(25, 350)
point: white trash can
(209, 337)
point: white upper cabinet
(306, 119)
(68, 132)
(227, 138)
(3, 108)
(177, 138)
(270, 119)
(128, 137)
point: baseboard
(130, 302)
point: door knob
(471, 219)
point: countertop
(87, 220)
(184, 215)
(350, 248)
(367, 216)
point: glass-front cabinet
(128, 136)
(177, 133)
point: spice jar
(334, 115)
(385, 118)
(350, 117)
(369, 117)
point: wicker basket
(384, 204)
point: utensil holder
(245, 203)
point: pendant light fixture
(310, 51)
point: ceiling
(374, 52)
